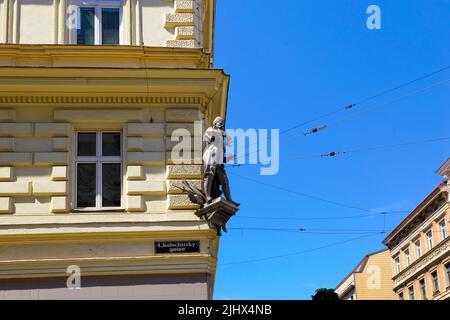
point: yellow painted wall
(159, 23)
(375, 281)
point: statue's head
(218, 123)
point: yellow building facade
(420, 247)
(371, 279)
(90, 94)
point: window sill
(98, 210)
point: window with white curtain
(98, 166)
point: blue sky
(293, 60)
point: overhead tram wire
(376, 107)
(364, 149)
(369, 98)
(361, 101)
(368, 149)
(298, 252)
(308, 231)
(308, 218)
(315, 197)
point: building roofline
(444, 168)
(416, 210)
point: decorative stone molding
(184, 171)
(185, 33)
(436, 201)
(187, 20)
(173, 186)
(180, 202)
(421, 265)
(100, 100)
(49, 55)
(184, 6)
(179, 20)
(180, 43)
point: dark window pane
(86, 185)
(111, 144)
(111, 185)
(110, 26)
(86, 31)
(86, 144)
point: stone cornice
(426, 261)
(83, 99)
(82, 237)
(122, 87)
(162, 264)
(112, 56)
(435, 201)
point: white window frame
(447, 272)
(98, 5)
(98, 159)
(397, 265)
(435, 284)
(418, 245)
(423, 288)
(413, 296)
(430, 240)
(443, 229)
(407, 257)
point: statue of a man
(214, 161)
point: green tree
(325, 294)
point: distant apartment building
(371, 279)
(420, 247)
